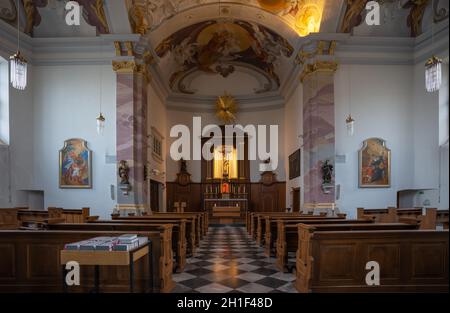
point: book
(128, 237)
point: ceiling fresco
(220, 47)
(303, 16)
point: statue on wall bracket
(327, 177)
(123, 171)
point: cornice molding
(318, 66)
(270, 101)
(349, 50)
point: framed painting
(374, 164)
(75, 165)
(294, 165)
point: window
(4, 102)
(157, 145)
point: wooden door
(296, 199)
(154, 195)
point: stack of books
(125, 242)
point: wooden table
(107, 258)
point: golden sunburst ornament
(226, 108)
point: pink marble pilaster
(319, 134)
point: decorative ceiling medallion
(226, 108)
(217, 47)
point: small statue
(123, 172)
(183, 166)
(327, 172)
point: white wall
(443, 139)
(269, 117)
(4, 101)
(382, 105)
(16, 159)
(293, 119)
(66, 103)
(426, 133)
(4, 134)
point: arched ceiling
(302, 16)
(224, 47)
(245, 47)
(240, 45)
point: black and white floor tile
(229, 261)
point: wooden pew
(264, 233)
(288, 234)
(335, 261)
(178, 234)
(191, 226)
(54, 215)
(72, 215)
(431, 220)
(276, 227)
(202, 220)
(442, 218)
(256, 224)
(9, 219)
(388, 215)
(253, 220)
(30, 262)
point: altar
(226, 211)
(226, 180)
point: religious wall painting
(219, 47)
(75, 165)
(374, 164)
(294, 165)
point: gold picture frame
(75, 165)
(374, 164)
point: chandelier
(433, 67)
(18, 64)
(350, 125)
(100, 124)
(433, 74)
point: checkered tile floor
(228, 261)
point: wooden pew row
(54, 215)
(288, 234)
(30, 262)
(202, 220)
(431, 220)
(272, 232)
(335, 261)
(256, 224)
(388, 215)
(178, 234)
(252, 219)
(442, 218)
(72, 215)
(265, 220)
(191, 226)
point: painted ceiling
(219, 47)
